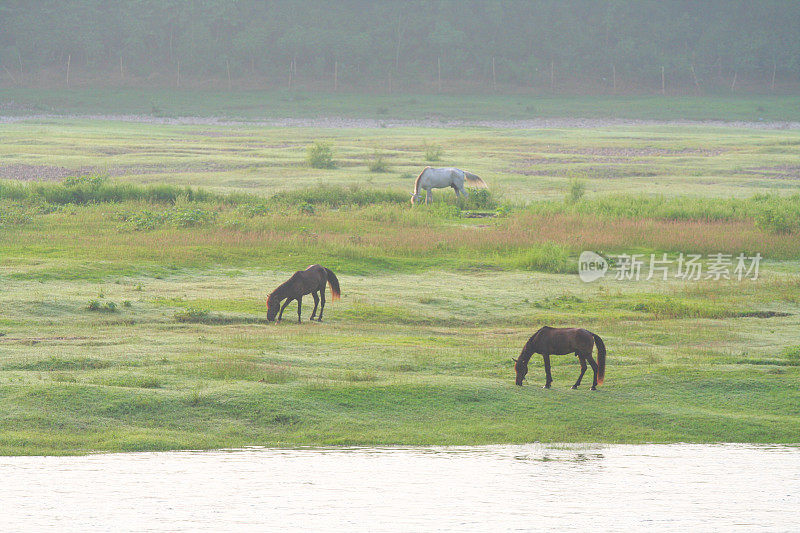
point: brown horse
(311, 280)
(559, 341)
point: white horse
(439, 178)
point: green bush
(320, 155)
(576, 190)
(93, 180)
(433, 152)
(481, 199)
(774, 220)
(378, 164)
(100, 307)
(192, 315)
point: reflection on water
(485, 488)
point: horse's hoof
(593, 388)
(574, 387)
(546, 386)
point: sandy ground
(340, 122)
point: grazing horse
(439, 178)
(311, 280)
(559, 341)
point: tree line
(372, 43)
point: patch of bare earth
(22, 172)
(786, 172)
(42, 172)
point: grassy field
(133, 313)
(255, 105)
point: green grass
(255, 105)
(193, 226)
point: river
(575, 487)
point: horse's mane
(416, 181)
(278, 291)
(527, 350)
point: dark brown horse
(559, 341)
(311, 280)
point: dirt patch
(52, 173)
(775, 172)
(42, 172)
(763, 314)
(627, 152)
(607, 172)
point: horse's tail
(333, 281)
(472, 178)
(601, 359)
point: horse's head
(521, 368)
(273, 306)
(415, 198)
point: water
(488, 488)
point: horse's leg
(592, 363)
(463, 191)
(428, 196)
(299, 305)
(322, 307)
(280, 315)
(458, 194)
(316, 302)
(582, 360)
(548, 377)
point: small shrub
(320, 155)
(576, 190)
(481, 199)
(433, 152)
(93, 180)
(100, 307)
(251, 210)
(773, 220)
(378, 164)
(192, 315)
(307, 209)
(126, 303)
(382, 110)
(502, 211)
(187, 217)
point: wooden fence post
(663, 82)
(733, 83)
(552, 76)
(335, 75)
(228, 68)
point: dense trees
(370, 41)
